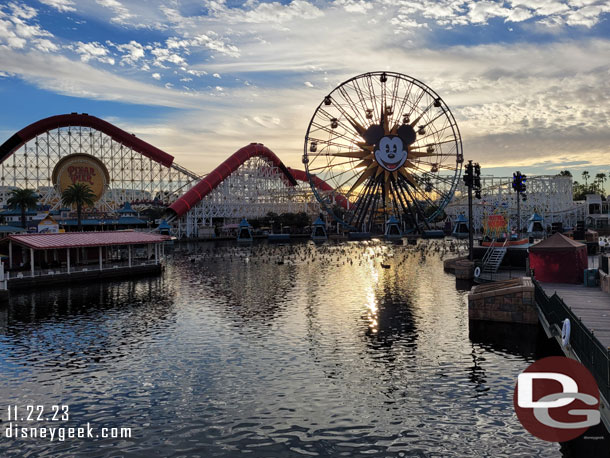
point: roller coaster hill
(132, 179)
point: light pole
(519, 187)
(472, 179)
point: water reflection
(77, 330)
(514, 339)
(271, 350)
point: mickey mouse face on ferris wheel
(391, 151)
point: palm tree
(23, 199)
(601, 179)
(585, 176)
(78, 194)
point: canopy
(392, 220)
(557, 242)
(84, 239)
(558, 259)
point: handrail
(583, 342)
(488, 252)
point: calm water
(229, 353)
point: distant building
(48, 225)
(597, 211)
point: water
(230, 353)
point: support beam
(129, 254)
(32, 261)
(100, 253)
(10, 254)
(68, 259)
(156, 253)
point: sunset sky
(528, 81)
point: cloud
(279, 59)
(122, 14)
(213, 43)
(93, 50)
(8, 37)
(63, 6)
(132, 52)
(268, 13)
(45, 45)
(165, 55)
(21, 11)
(79, 79)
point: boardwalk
(591, 305)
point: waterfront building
(36, 259)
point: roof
(85, 239)
(98, 222)
(319, 222)
(17, 212)
(556, 242)
(536, 217)
(163, 226)
(126, 208)
(244, 223)
(392, 220)
(461, 219)
(11, 229)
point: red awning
(85, 239)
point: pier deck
(588, 310)
(591, 305)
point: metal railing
(583, 342)
(489, 276)
(79, 268)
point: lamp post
(519, 187)
(472, 179)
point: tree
(23, 199)
(600, 178)
(78, 194)
(585, 176)
(565, 173)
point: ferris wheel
(387, 145)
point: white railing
(78, 269)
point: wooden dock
(588, 310)
(591, 305)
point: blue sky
(528, 81)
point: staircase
(492, 260)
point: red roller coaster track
(83, 120)
(192, 196)
(214, 178)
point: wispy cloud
(257, 72)
(63, 6)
